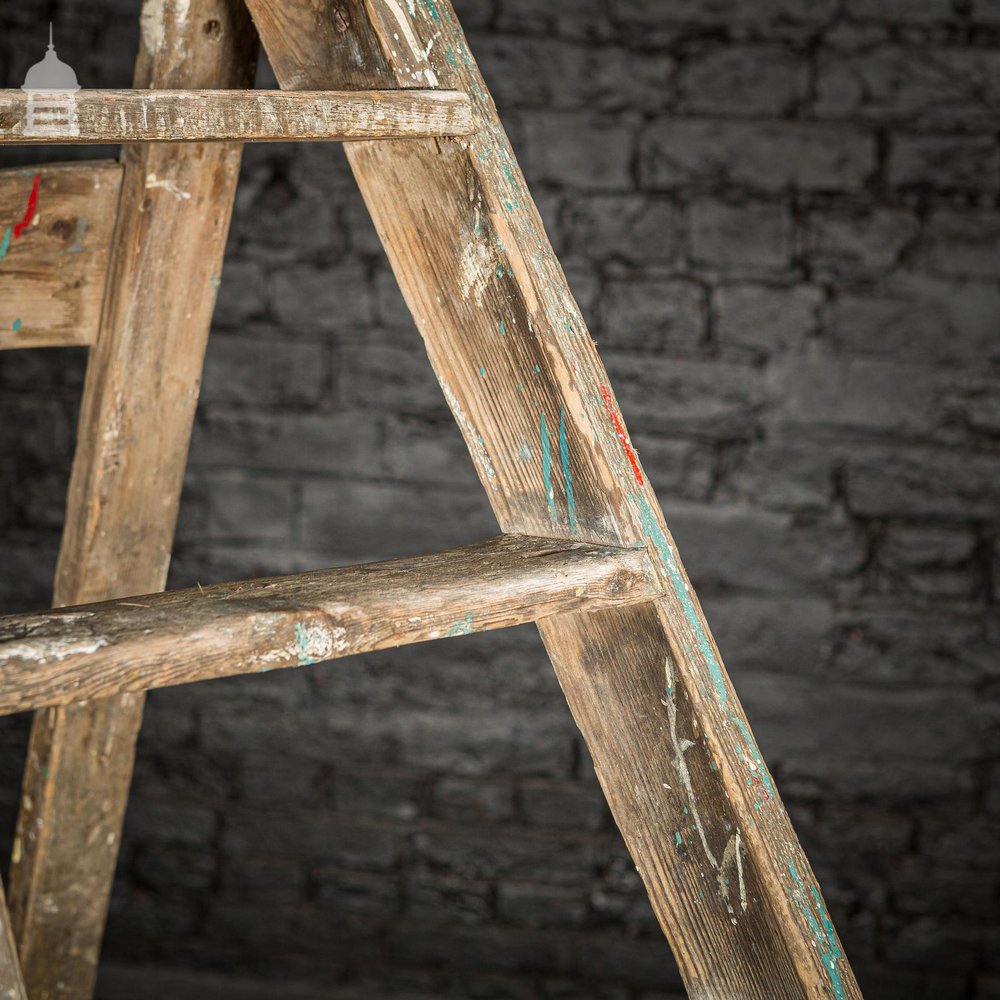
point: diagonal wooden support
(138, 405)
(672, 748)
(11, 983)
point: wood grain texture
(11, 983)
(96, 650)
(245, 116)
(138, 404)
(669, 739)
(53, 270)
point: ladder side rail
(139, 398)
(670, 742)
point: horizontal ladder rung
(138, 643)
(115, 116)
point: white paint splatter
(179, 193)
(151, 25)
(476, 444)
(477, 269)
(680, 764)
(47, 650)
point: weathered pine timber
(11, 983)
(670, 742)
(138, 405)
(243, 116)
(96, 650)
(53, 269)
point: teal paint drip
(5, 243)
(550, 495)
(825, 936)
(652, 530)
(461, 627)
(302, 644)
(567, 478)
(752, 750)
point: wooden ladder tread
(134, 644)
(119, 116)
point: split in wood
(93, 651)
(113, 116)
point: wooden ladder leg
(11, 982)
(138, 405)
(672, 748)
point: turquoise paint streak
(432, 7)
(462, 627)
(81, 229)
(752, 750)
(16, 325)
(822, 929)
(567, 478)
(550, 495)
(302, 644)
(5, 243)
(652, 530)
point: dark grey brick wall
(781, 221)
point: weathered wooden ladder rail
(139, 643)
(125, 258)
(116, 116)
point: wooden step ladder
(584, 552)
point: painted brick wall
(780, 219)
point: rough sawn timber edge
(139, 399)
(672, 748)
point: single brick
(903, 12)
(483, 854)
(537, 905)
(951, 87)
(922, 482)
(312, 834)
(708, 399)
(962, 243)
(945, 163)
(562, 805)
(312, 299)
(652, 314)
(747, 549)
(740, 237)
(920, 319)
(734, 80)
(357, 894)
(554, 142)
(258, 370)
(765, 156)
(859, 242)
(361, 520)
(637, 229)
(765, 319)
(473, 800)
(441, 898)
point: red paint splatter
(29, 212)
(760, 784)
(609, 405)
